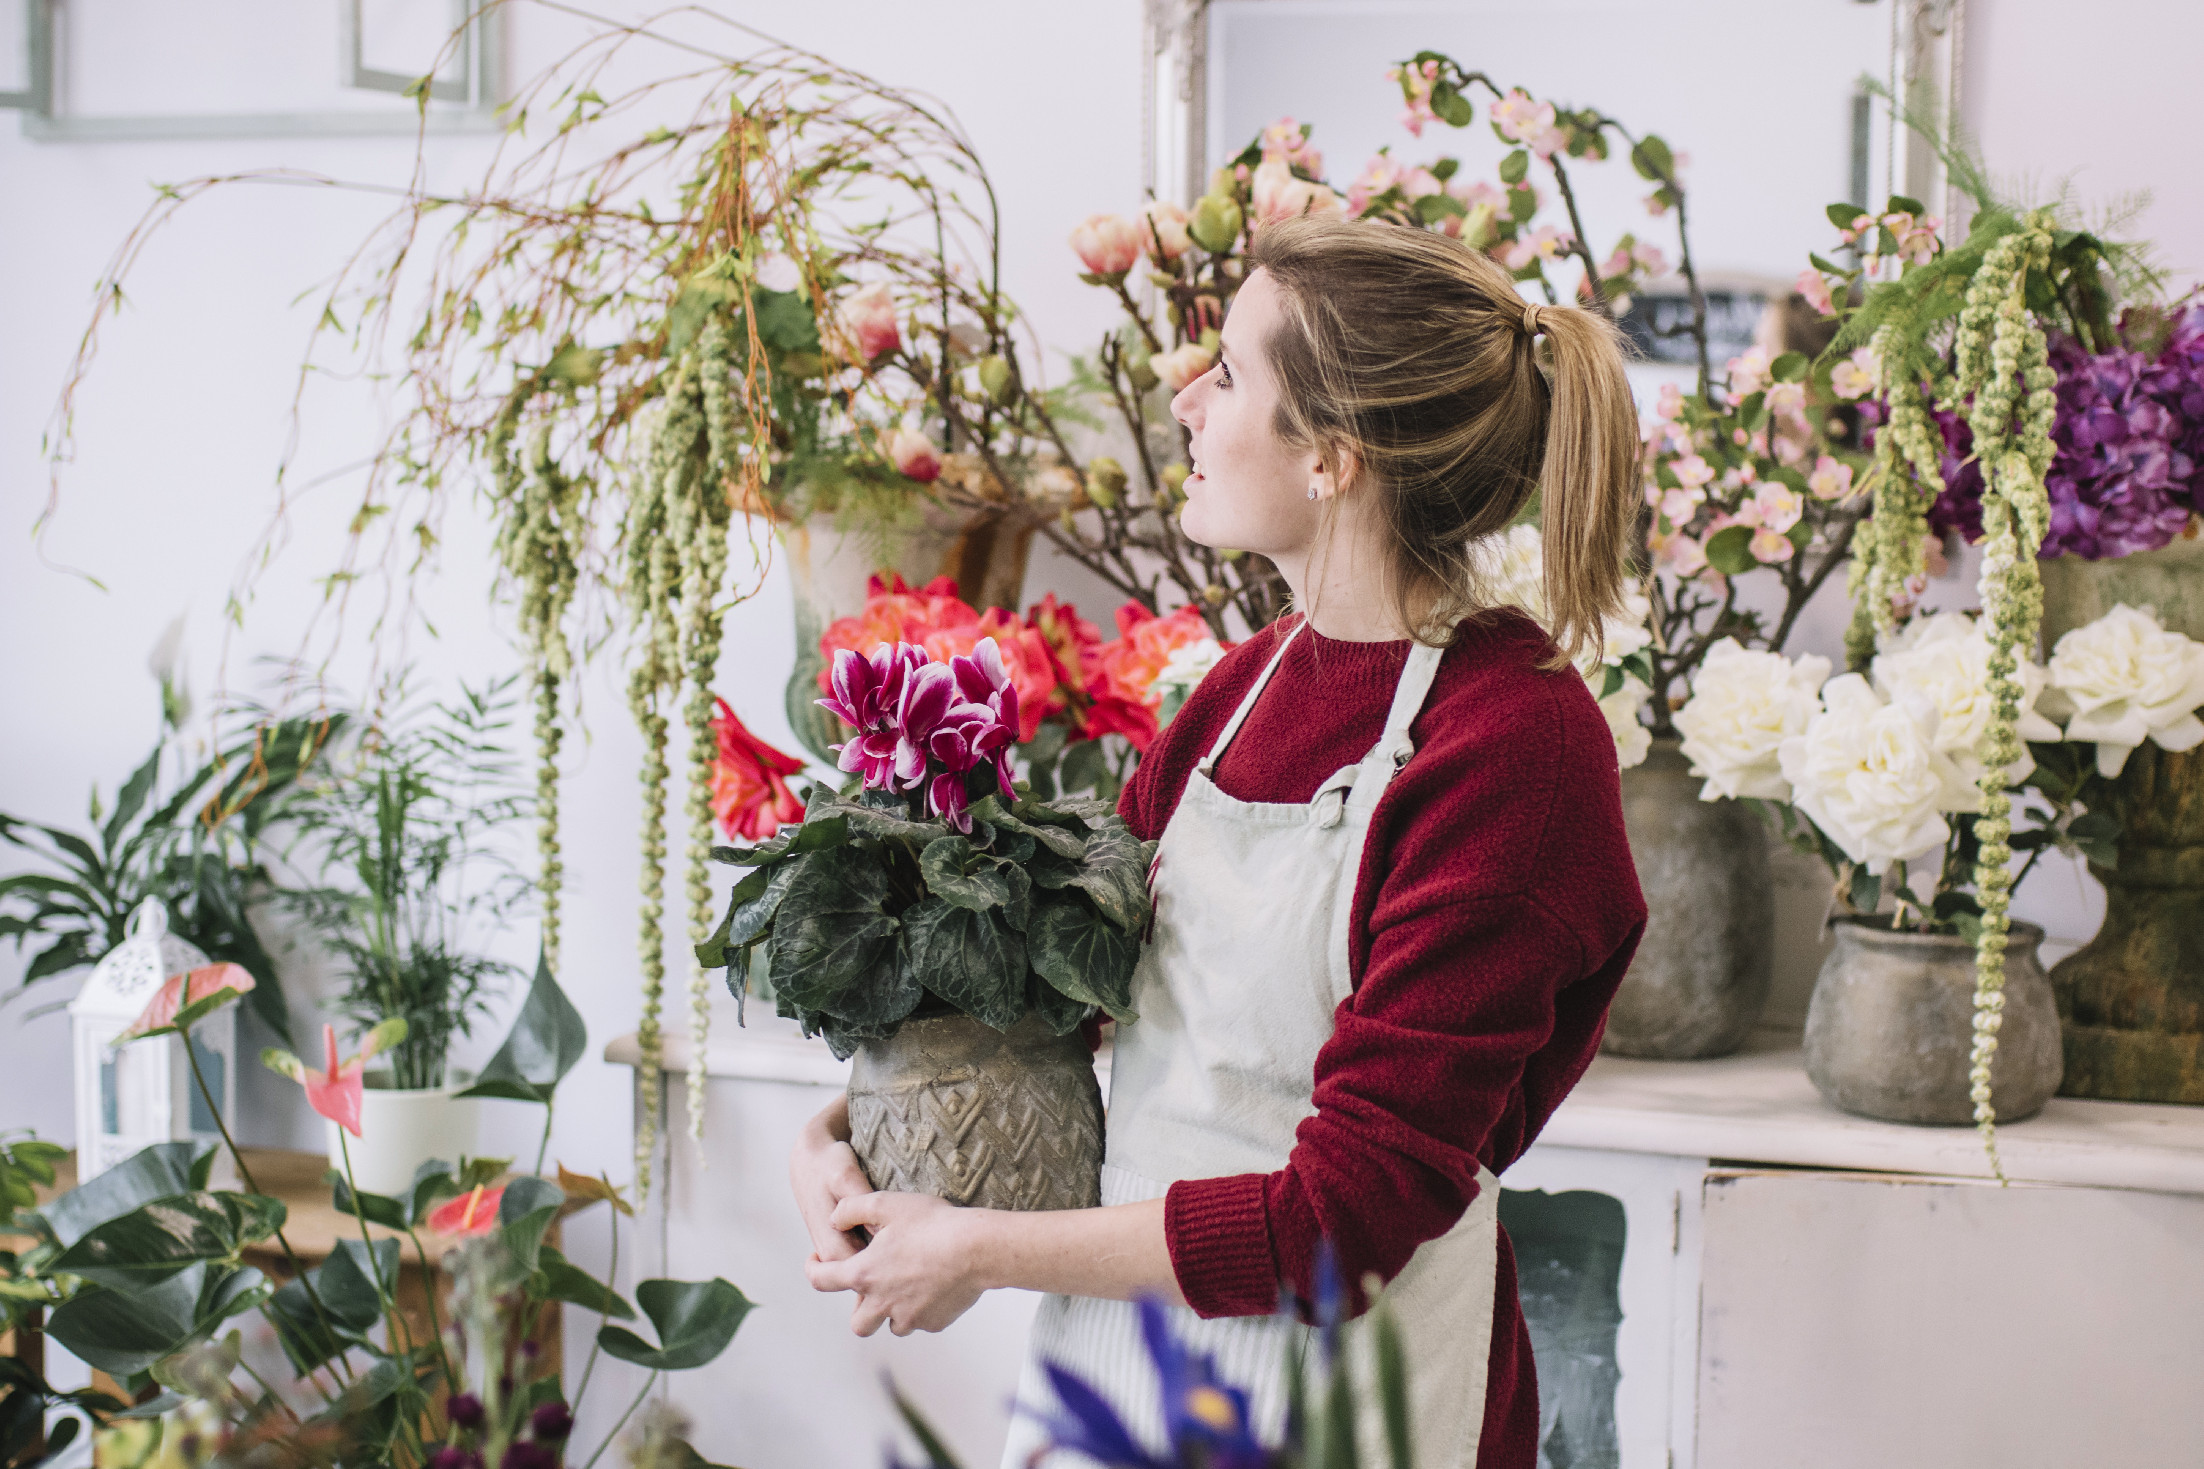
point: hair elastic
(1530, 318)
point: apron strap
(1415, 685)
(1208, 763)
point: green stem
(245, 1174)
(545, 1145)
(612, 1278)
(648, 1383)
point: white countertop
(1754, 1107)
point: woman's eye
(1224, 376)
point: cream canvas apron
(1235, 996)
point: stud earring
(1312, 492)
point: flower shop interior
(477, 475)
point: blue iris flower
(1205, 1419)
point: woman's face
(1250, 489)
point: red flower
(750, 793)
(1074, 647)
(1144, 644)
(1113, 715)
(936, 619)
(473, 1212)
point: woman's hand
(920, 1271)
(824, 1171)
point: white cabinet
(1722, 1272)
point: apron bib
(1236, 995)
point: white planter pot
(401, 1130)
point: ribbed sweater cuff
(1218, 1232)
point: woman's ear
(1333, 472)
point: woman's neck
(1343, 581)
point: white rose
(1188, 665)
(2126, 679)
(1867, 775)
(1743, 706)
(1511, 568)
(1622, 708)
(1938, 670)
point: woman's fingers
(868, 1317)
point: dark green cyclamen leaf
(956, 873)
(873, 822)
(1084, 956)
(1018, 912)
(748, 919)
(812, 836)
(1058, 1011)
(376, 1208)
(160, 1238)
(1114, 874)
(820, 962)
(695, 1321)
(559, 1279)
(1050, 872)
(842, 1037)
(547, 1039)
(969, 959)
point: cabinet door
(1873, 1321)
(1606, 1245)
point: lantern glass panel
(214, 1066)
(131, 1099)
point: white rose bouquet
(1875, 773)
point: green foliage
(547, 1039)
(397, 824)
(865, 914)
(695, 1321)
(195, 846)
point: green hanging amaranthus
(2002, 362)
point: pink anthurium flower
(335, 1093)
(192, 994)
(473, 1212)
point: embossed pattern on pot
(995, 1120)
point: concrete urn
(993, 1119)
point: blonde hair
(1413, 354)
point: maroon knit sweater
(1494, 914)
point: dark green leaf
(130, 800)
(126, 1332)
(969, 959)
(558, 1279)
(1063, 840)
(937, 1452)
(527, 1210)
(957, 874)
(1842, 215)
(1729, 550)
(70, 951)
(432, 1184)
(171, 1234)
(812, 836)
(1515, 166)
(873, 822)
(749, 911)
(1084, 956)
(152, 1173)
(1653, 160)
(695, 1321)
(1114, 872)
(1791, 367)
(547, 1039)
(1058, 1011)
(375, 1208)
(831, 931)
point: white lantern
(133, 1096)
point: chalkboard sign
(1659, 324)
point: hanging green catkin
(2001, 350)
(650, 577)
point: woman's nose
(1186, 404)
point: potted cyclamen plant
(948, 931)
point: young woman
(1393, 894)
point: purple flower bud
(451, 1458)
(464, 1409)
(551, 1421)
(530, 1456)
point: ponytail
(1589, 475)
(1415, 352)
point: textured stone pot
(997, 1120)
(984, 551)
(1700, 978)
(1890, 1032)
(2132, 999)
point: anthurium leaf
(590, 1190)
(1114, 872)
(432, 1184)
(695, 1321)
(527, 1210)
(375, 1208)
(967, 958)
(346, 1280)
(956, 873)
(547, 1039)
(558, 1279)
(1084, 956)
(167, 1235)
(123, 1332)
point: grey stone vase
(1700, 978)
(992, 1119)
(1890, 1032)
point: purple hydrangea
(2129, 467)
